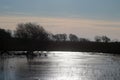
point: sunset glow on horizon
(81, 27)
(85, 18)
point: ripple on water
(62, 66)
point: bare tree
(98, 39)
(31, 31)
(73, 37)
(60, 37)
(64, 36)
(106, 39)
(102, 39)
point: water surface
(61, 66)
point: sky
(85, 18)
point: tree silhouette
(102, 39)
(5, 34)
(84, 40)
(106, 39)
(31, 31)
(60, 37)
(98, 39)
(73, 37)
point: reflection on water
(61, 66)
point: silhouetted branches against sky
(34, 31)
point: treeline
(37, 32)
(32, 37)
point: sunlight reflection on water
(61, 66)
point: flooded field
(61, 66)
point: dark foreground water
(61, 66)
